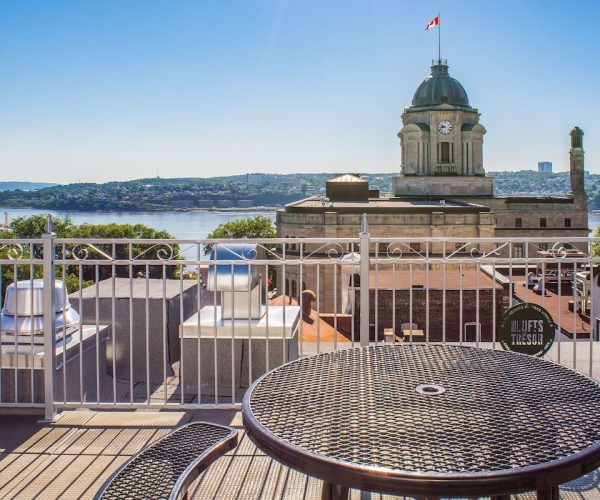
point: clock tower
(441, 141)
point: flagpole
(439, 39)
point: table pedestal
(334, 492)
(545, 494)
(337, 492)
(549, 493)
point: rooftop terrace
(136, 295)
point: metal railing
(153, 328)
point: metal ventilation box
(240, 284)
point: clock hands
(444, 127)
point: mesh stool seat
(167, 467)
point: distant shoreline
(155, 210)
(232, 209)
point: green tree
(259, 227)
(596, 246)
(33, 227)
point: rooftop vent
(23, 311)
(239, 284)
(348, 187)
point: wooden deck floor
(72, 457)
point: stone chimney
(576, 162)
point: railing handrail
(302, 239)
(11, 241)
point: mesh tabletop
(154, 472)
(488, 411)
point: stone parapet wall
(475, 185)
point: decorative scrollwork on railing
(247, 252)
(164, 252)
(270, 252)
(82, 251)
(476, 252)
(394, 251)
(457, 250)
(252, 253)
(537, 247)
(558, 250)
(335, 252)
(14, 251)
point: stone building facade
(442, 190)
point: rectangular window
(445, 152)
(518, 250)
(543, 222)
(568, 222)
(459, 246)
(383, 247)
(415, 247)
(288, 246)
(518, 222)
(543, 246)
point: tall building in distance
(545, 167)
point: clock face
(444, 127)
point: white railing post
(49, 305)
(364, 281)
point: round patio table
(428, 420)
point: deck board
(72, 457)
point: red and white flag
(435, 22)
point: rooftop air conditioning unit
(23, 311)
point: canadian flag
(434, 22)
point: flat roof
(385, 204)
(556, 304)
(434, 279)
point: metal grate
(498, 410)
(154, 472)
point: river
(182, 225)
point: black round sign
(527, 328)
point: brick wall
(385, 307)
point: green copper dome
(440, 88)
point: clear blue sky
(113, 89)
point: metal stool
(167, 467)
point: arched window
(287, 286)
(294, 289)
(445, 152)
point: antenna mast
(439, 39)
